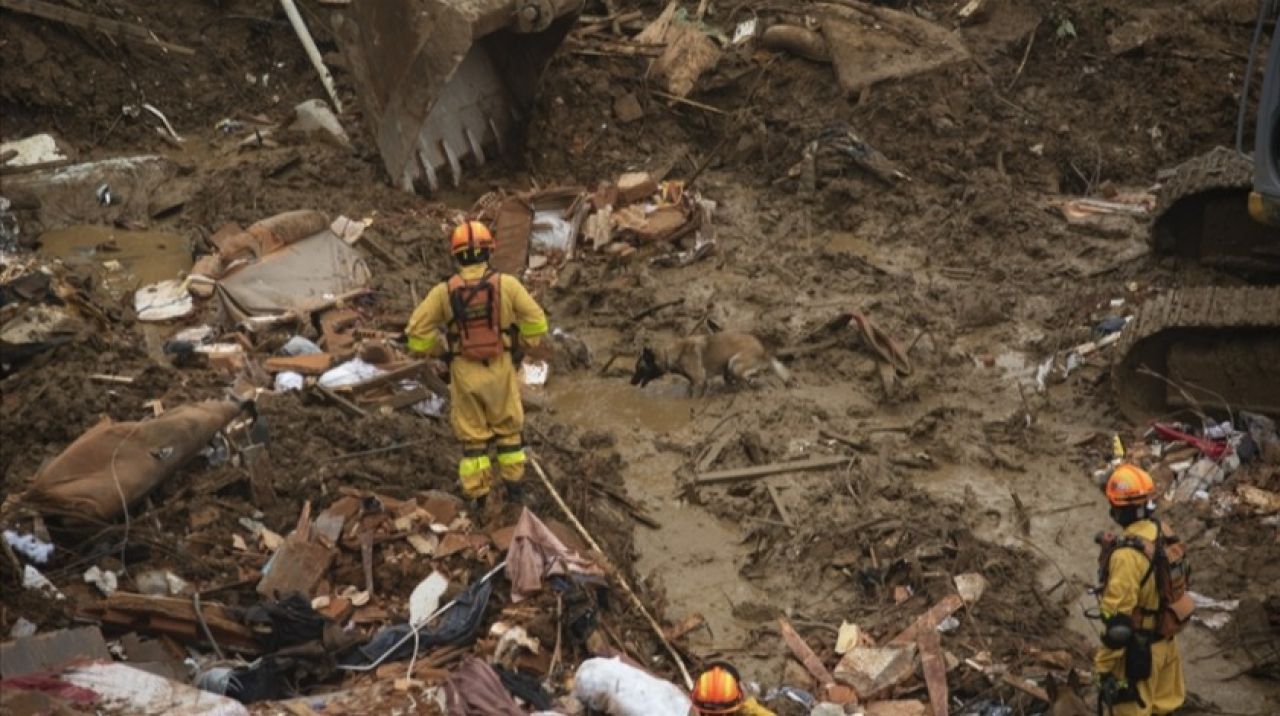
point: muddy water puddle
(615, 405)
(693, 555)
(125, 259)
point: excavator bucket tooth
(477, 151)
(497, 137)
(455, 166)
(446, 83)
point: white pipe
(313, 52)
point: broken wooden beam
(713, 452)
(691, 623)
(930, 620)
(934, 669)
(1027, 688)
(636, 511)
(295, 567)
(342, 402)
(758, 471)
(859, 445)
(401, 400)
(805, 655)
(777, 504)
(85, 21)
(174, 617)
(418, 370)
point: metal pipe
(1265, 7)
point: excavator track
(1214, 348)
(1202, 214)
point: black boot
(515, 491)
(476, 507)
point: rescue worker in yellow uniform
(718, 690)
(1138, 668)
(487, 317)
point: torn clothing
(475, 689)
(1131, 585)
(536, 553)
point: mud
(125, 260)
(965, 465)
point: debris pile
(229, 487)
(1218, 480)
(895, 612)
(537, 232)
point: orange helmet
(717, 690)
(1130, 485)
(470, 236)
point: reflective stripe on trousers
(475, 471)
(511, 458)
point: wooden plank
(801, 650)
(758, 471)
(85, 21)
(634, 510)
(216, 615)
(295, 567)
(930, 620)
(859, 445)
(713, 452)
(935, 671)
(420, 370)
(42, 652)
(402, 400)
(1026, 688)
(777, 503)
(342, 402)
(306, 364)
(175, 618)
(691, 623)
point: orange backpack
(1167, 557)
(476, 334)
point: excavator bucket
(446, 83)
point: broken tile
(875, 670)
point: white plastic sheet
(287, 380)
(163, 301)
(349, 373)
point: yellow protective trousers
(1131, 585)
(1165, 691)
(485, 406)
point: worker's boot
(515, 492)
(493, 506)
(476, 507)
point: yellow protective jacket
(484, 397)
(1125, 591)
(751, 707)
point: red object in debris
(52, 685)
(1212, 449)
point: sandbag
(273, 233)
(138, 455)
(618, 689)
